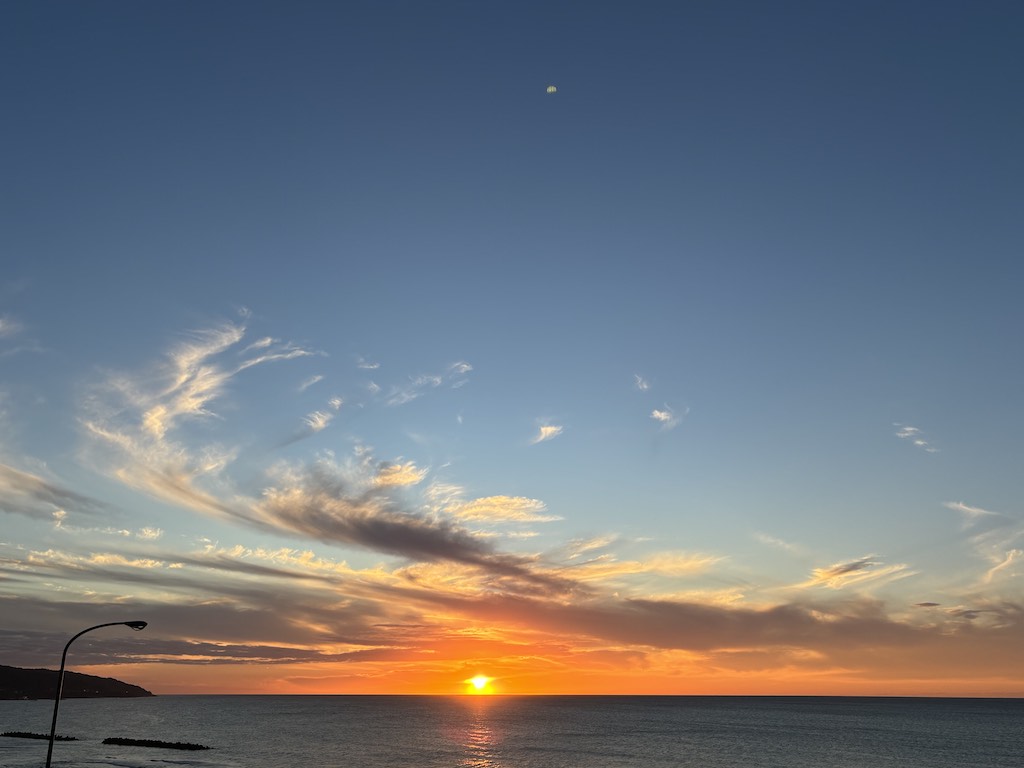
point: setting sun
(479, 684)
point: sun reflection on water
(479, 738)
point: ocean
(524, 732)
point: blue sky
(729, 322)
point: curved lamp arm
(136, 625)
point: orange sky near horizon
(260, 680)
(556, 671)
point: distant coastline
(18, 683)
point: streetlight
(136, 625)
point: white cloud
(914, 436)
(1014, 555)
(580, 547)
(263, 343)
(640, 382)
(502, 509)
(773, 541)
(679, 563)
(318, 420)
(970, 514)
(414, 389)
(668, 417)
(546, 432)
(454, 376)
(441, 495)
(192, 380)
(287, 351)
(366, 365)
(521, 534)
(399, 474)
(672, 564)
(457, 373)
(111, 558)
(310, 382)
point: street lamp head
(136, 625)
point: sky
(354, 359)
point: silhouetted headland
(18, 683)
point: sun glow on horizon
(481, 684)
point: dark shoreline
(21, 684)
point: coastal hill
(18, 683)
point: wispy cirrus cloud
(313, 423)
(317, 420)
(193, 376)
(673, 564)
(414, 389)
(1008, 567)
(546, 432)
(580, 547)
(131, 421)
(854, 572)
(914, 436)
(995, 537)
(640, 383)
(295, 561)
(62, 524)
(971, 514)
(454, 376)
(262, 343)
(307, 383)
(774, 541)
(502, 509)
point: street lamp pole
(136, 625)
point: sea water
(524, 732)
